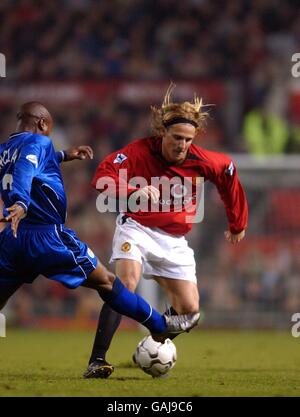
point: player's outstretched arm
(78, 152)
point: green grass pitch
(210, 363)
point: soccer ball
(155, 358)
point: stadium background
(99, 65)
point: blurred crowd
(244, 45)
(87, 39)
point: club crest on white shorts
(126, 246)
(159, 253)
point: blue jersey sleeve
(61, 156)
(28, 165)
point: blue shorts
(49, 250)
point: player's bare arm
(17, 211)
(79, 152)
(148, 193)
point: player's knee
(129, 282)
(107, 280)
(100, 279)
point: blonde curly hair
(185, 112)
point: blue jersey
(30, 176)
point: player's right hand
(79, 152)
(17, 213)
(148, 193)
(234, 238)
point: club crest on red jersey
(229, 171)
(120, 158)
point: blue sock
(132, 305)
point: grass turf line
(210, 363)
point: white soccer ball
(155, 358)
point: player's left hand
(16, 213)
(79, 152)
(234, 238)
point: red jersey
(143, 158)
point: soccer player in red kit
(152, 241)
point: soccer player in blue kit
(36, 241)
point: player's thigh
(129, 271)
(6, 293)
(182, 294)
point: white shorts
(160, 253)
